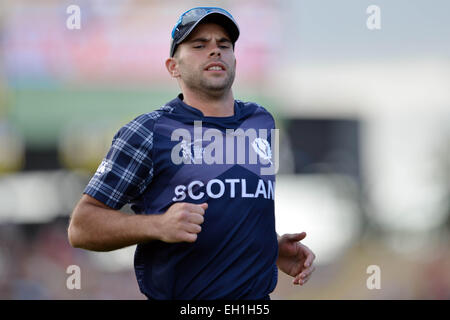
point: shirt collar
(179, 101)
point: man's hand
(181, 222)
(294, 258)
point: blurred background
(364, 116)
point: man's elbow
(75, 231)
(74, 236)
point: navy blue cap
(191, 18)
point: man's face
(206, 60)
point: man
(205, 229)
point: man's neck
(222, 106)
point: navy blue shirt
(158, 159)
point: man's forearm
(101, 229)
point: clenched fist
(181, 222)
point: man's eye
(199, 46)
(224, 47)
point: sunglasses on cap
(191, 18)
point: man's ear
(172, 67)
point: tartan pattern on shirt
(127, 169)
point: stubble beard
(197, 81)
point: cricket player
(197, 174)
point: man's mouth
(215, 66)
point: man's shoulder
(143, 125)
(152, 116)
(253, 107)
(147, 120)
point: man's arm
(95, 226)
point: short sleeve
(127, 169)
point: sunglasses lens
(192, 16)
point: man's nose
(215, 52)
